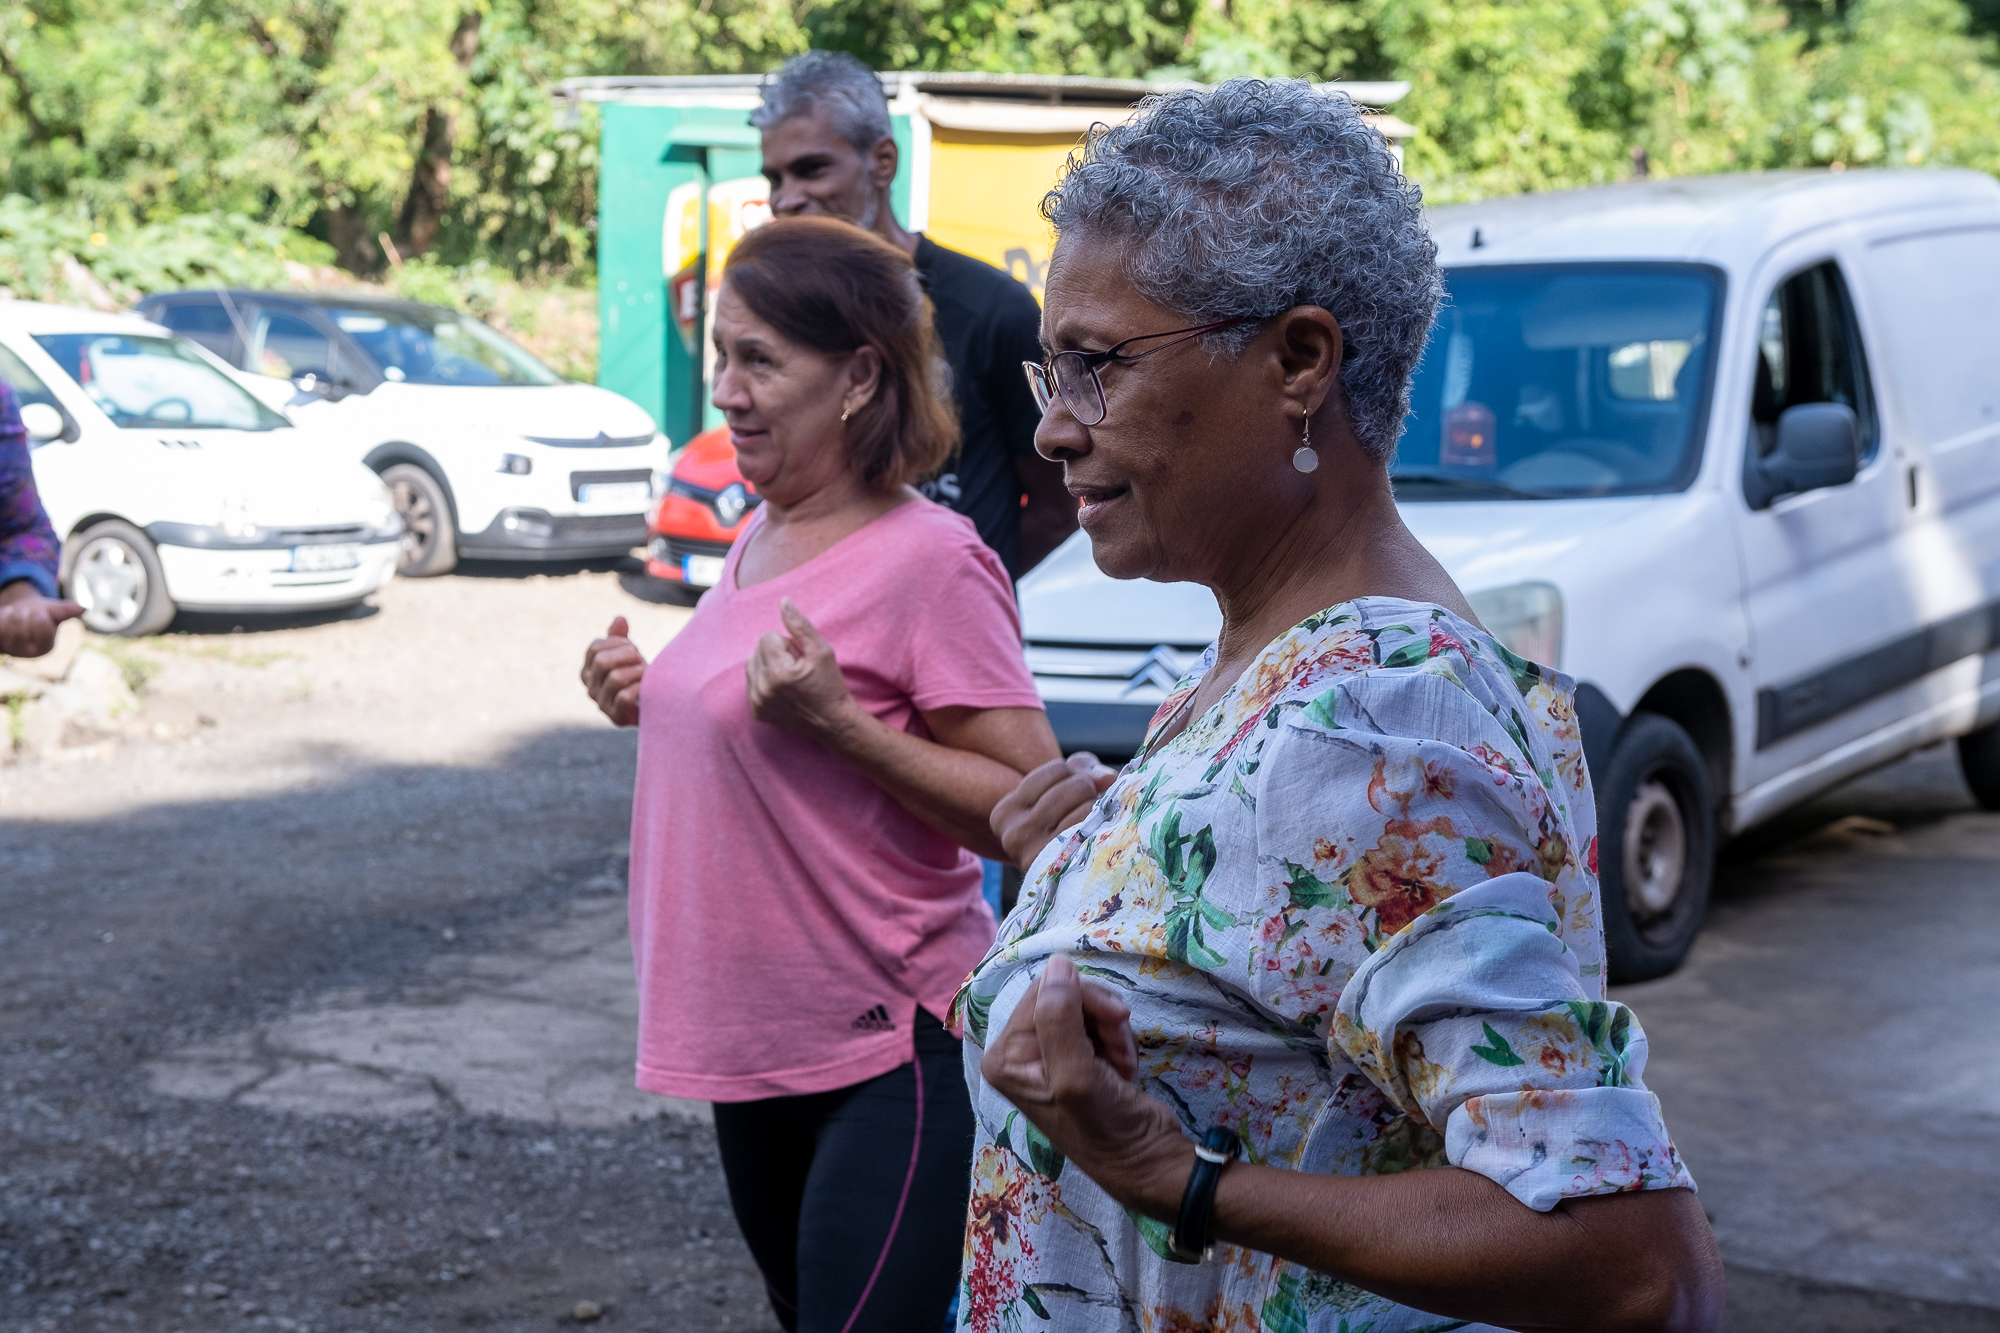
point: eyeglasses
(1073, 375)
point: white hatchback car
(171, 487)
(1726, 450)
(487, 451)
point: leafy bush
(50, 252)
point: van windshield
(1562, 380)
(146, 382)
(439, 347)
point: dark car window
(209, 325)
(144, 382)
(26, 384)
(289, 348)
(1562, 379)
(439, 347)
(1809, 351)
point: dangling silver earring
(1303, 457)
(843, 416)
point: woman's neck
(1350, 542)
(796, 529)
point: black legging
(853, 1230)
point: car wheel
(1979, 760)
(1655, 847)
(114, 574)
(430, 546)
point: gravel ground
(310, 806)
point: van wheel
(1979, 760)
(115, 575)
(1656, 848)
(430, 546)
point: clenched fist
(795, 682)
(612, 669)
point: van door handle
(1912, 475)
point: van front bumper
(536, 534)
(270, 578)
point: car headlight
(235, 519)
(1527, 619)
(380, 510)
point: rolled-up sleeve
(1479, 1007)
(1473, 1018)
(28, 548)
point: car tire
(430, 539)
(114, 571)
(1656, 842)
(1979, 760)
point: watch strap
(1188, 1242)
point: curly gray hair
(1252, 197)
(846, 85)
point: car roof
(32, 317)
(388, 305)
(1713, 218)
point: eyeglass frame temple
(1093, 360)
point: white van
(1727, 451)
(487, 451)
(171, 487)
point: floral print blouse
(28, 547)
(1354, 910)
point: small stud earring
(1304, 458)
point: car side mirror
(43, 422)
(1818, 445)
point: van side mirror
(43, 423)
(1818, 445)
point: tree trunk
(347, 231)
(430, 180)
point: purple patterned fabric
(28, 548)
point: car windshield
(1561, 380)
(147, 382)
(438, 347)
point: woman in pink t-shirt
(818, 749)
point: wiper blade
(1468, 485)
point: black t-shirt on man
(989, 324)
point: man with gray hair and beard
(828, 152)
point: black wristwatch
(1188, 1243)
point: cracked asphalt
(316, 1011)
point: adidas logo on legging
(875, 1020)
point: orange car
(705, 506)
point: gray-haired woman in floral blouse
(1341, 911)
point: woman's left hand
(795, 681)
(1067, 1061)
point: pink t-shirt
(788, 916)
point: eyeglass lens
(1081, 392)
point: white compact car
(487, 452)
(171, 487)
(1725, 450)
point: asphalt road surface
(315, 1010)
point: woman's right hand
(612, 668)
(1050, 799)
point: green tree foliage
(429, 123)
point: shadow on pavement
(555, 569)
(126, 938)
(265, 622)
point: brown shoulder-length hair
(834, 288)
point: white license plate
(634, 493)
(319, 559)
(701, 571)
